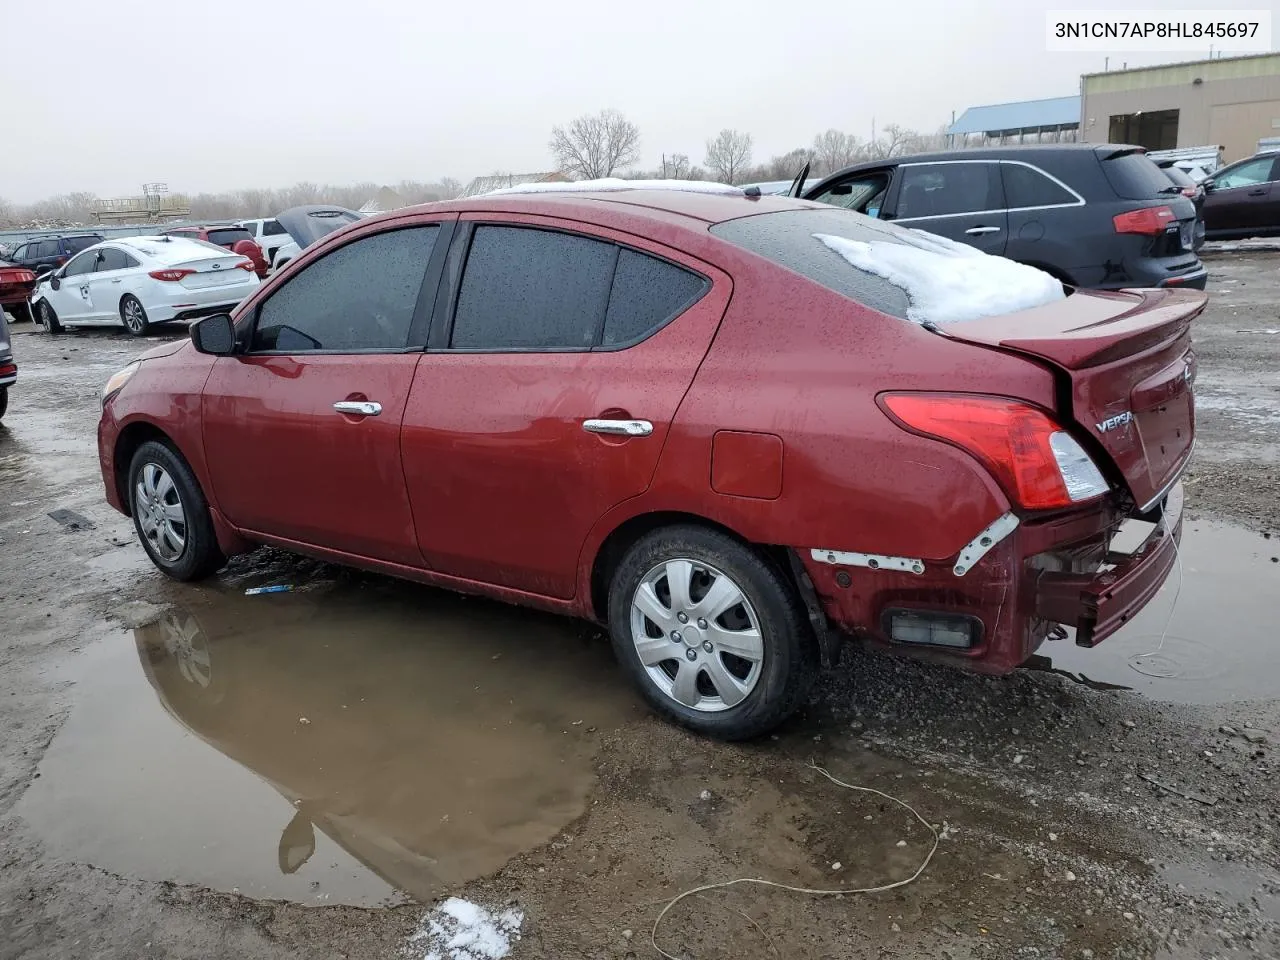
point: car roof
(1024, 151)
(166, 249)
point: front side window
(1246, 175)
(22, 252)
(1028, 187)
(948, 189)
(82, 263)
(361, 296)
(864, 194)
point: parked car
(140, 281)
(1096, 216)
(554, 399)
(16, 285)
(307, 224)
(268, 234)
(236, 239)
(1243, 199)
(46, 253)
(1191, 189)
(8, 369)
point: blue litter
(281, 588)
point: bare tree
(596, 145)
(835, 149)
(675, 166)
(784, 166)
(893, 142)
(729, 155)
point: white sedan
(138, 281)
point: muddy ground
(189, 772)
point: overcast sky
(217, 94)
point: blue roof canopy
(1027, 115)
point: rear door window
(1135, 176)
(948, 189)
(48, 248)
(110, 259)
(1027, 186)
(360, 297)
(531, 289)
(76, 244)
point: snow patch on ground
(461, 930)
(948, 282)
(611, 184)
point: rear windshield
(76, 244)
(271, 228)
(1134, 176)
(226, 238)
(787, 239)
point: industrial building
(1028, 121)
(1233, 102)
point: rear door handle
(118, 280)
(619, 428)
(360, 408)
(976, 231)
(1257, 193)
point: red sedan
(735, 429)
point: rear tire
(715, 637)
(133, 316)
(48, 317)
(171, 514)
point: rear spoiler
(1108, 151)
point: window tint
(272, 228)
(360, 297)
(76, 244)
(1247, 174)
(647, 292)
(227, 237)
(1135, 176)
(940, 189)
(83, 263)
(110, 259)
(48, 248)
(524, 287)
(1029, 187)
(864, 194)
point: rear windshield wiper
(1172, 188)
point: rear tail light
(1189, 192)
(246, 265)
(170, 275)
(1039, 465)
(1148, 220)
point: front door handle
(619, 428)
(118, 280)
(977, 231)
(359, 408)
(1257, 193)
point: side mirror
(214, 335)
(55, 279)
(1209, 185)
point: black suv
(48, 253)
(1094, 215)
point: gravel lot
(189, 772)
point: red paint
(479, 477)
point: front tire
(133, 316)
(713, 635)
(48, 318)
(171, 514)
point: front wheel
(713, 635)
(133, 315)
(171, 514)
(48, 318)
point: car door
(71, 300)
(107, 282)
(1244, 197)
(962, 200)
(302, 428)
(558, 359)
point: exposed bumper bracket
(978, 547)
(873, 561)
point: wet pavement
(187, 771)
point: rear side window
(361, 296)
(110, 259)
(272, 228)
(787, 238)
(647, 292)
(76, 244)
(1134, 176)
(1028, 187)
(945, 189)
(532, 289)
(225, 238)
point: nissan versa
(733, 428)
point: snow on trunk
(948, 282)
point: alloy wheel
(697, 635)
(134, 318)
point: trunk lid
(211, 271)
(1127, 368)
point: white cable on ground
(653, 935)
(1177, 593)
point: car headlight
(118, 380)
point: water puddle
(345, 747)
(1219, 643)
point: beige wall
(1236, 103)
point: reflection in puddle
(1220, 641)
(405, 740)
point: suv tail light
(171, 275)
(1150, 221)
(1039, 465)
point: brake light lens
(246, 265)
(1149, 220)
(1037, 463)
(171, 275)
